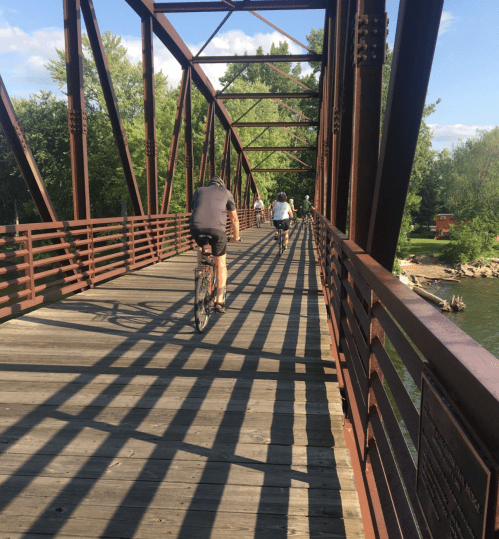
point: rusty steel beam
(215, 32)
(369, 60)
(288, 76)
(270, 95)
(295, 136)
(172, 158)
(24, 157)
(167, 34)
(111, 103)
(189, 147)
(274, 124)
(280, 149)
(239, 181)
(283, 170)
(346, 132)
(280, 31)
(341, 8)
(225, 167)
(279, 102)
(250, 109)
(151, 147)
(261, 5)
(206, 145)
(296, 159)
(212, 165)
(77, 116)
(257, 59)
(415, 41)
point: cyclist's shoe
(220, 308)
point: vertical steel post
(77, 116)
(415, 41)
(369, 59)
(149, 116)
(336, 105)
(212, 166)
(349, 48)
(112, 103)
(172, 159)
(189, 151)
(206, 144)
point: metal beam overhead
(260, 5)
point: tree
(471, 185)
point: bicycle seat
(204, 239)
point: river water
(480, 319)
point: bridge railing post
(28, 258)
(91, 255)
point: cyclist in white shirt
(282, 214)
(258, 206)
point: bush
(397, 268)
(472, 240)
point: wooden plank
(118, 419)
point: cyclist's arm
(234, 223)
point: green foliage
(397, 268)
(472, 240)
(470, 186)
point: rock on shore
(479, 268)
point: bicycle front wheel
(202, 301)
(258, 220)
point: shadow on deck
(119, 420)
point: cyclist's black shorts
(282, 223)
(218, 242)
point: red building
(443, 222)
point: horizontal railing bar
(403, 401)
(408, 355)
(360, 382)
(359, 310)
(362, 347)
(394, 486)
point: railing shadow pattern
(141, 333)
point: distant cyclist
(282, 215)
(292, 206)
(210, 205)
(259, 206)
(306, 206)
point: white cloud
(446, 21)
(444, 136)
(25, 54)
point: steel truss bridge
(424, 436)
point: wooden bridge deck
(117, 419)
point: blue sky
(464, 74)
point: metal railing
(45, 261)
(388, 341)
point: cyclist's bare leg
(285, 232)
(221, 276)
(199, 255)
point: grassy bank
(421, 245)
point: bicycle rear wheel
(202, 300)
(280, 240)
(258, 220)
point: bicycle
(280, 239)
(205, 285)
(259, 218)
(306, 218)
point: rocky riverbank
(428, 268)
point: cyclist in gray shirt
(210, 206)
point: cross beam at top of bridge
(261, 5)
(258, 58)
